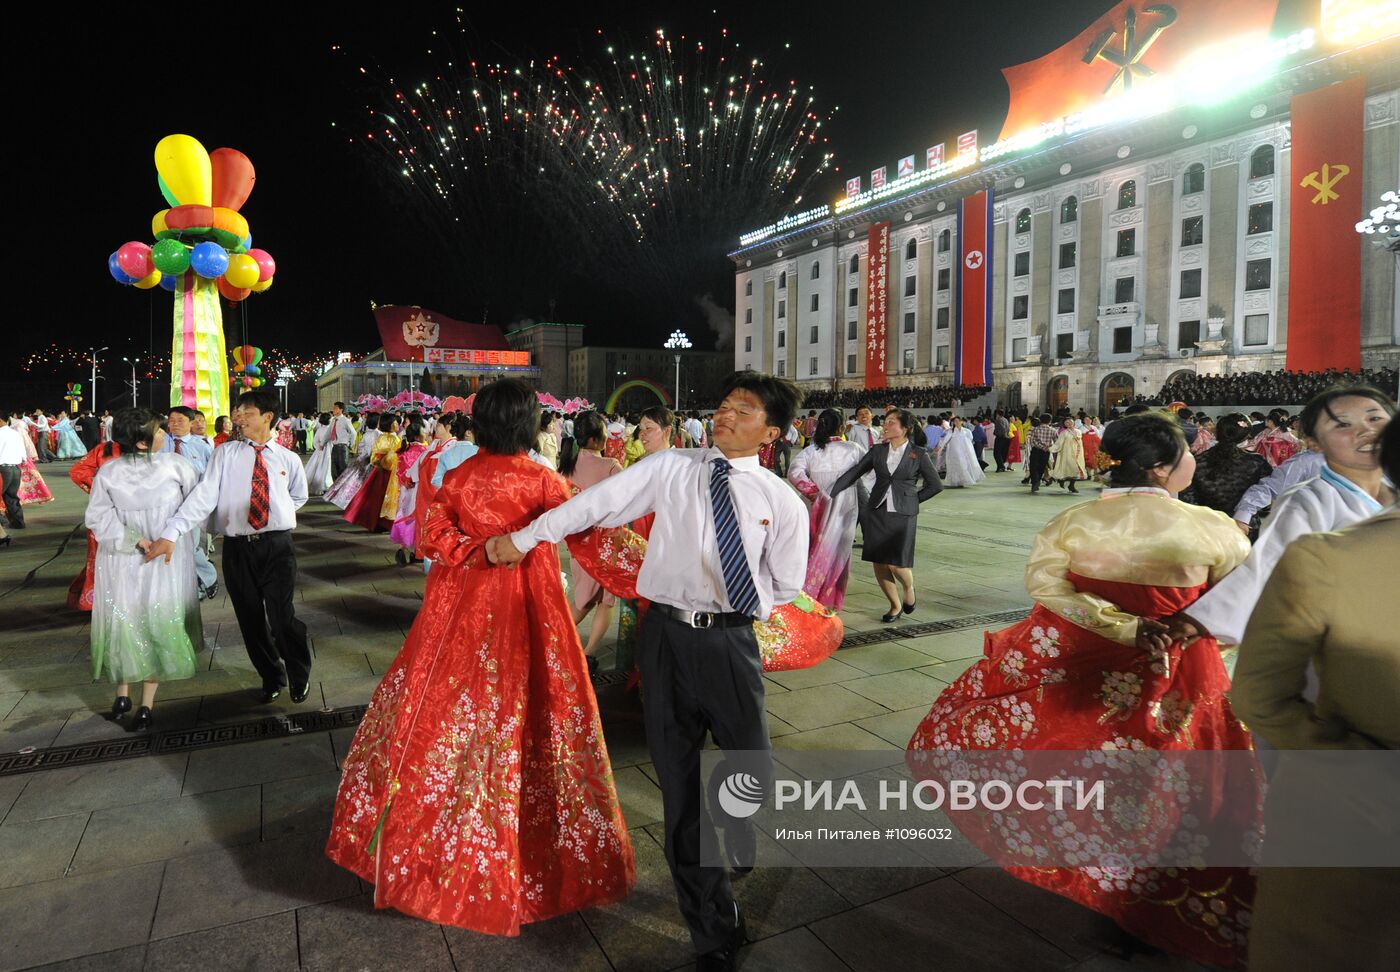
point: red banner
(877, 270)
(972, 337)
(408, 331)
(1325, 200)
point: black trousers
(42, 445)
(260, 576)
(339, 459)
(1000, 449)
(9, 479)
(696, 681)
(1040, 460)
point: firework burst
(636, 162)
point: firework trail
(636, 163)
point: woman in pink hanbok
(33, 491)
(1276, 443)
(833, 525)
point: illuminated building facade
(1153, 211)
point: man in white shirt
(729, 542)
(41, 437)
(696, 430)
(342, 435)
(181, 440)
(254, 487)
(12, 456)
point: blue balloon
(248, 242)
(118, 274)
(209, 260)
(168, 281)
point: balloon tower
(202, 249)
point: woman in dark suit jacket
(904, 478)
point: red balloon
(135, 260)
(233, 294)
(232, 178)
(266, 265)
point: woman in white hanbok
(145, 616)
(960, 457)
(343, 491)
(318, 467)
(1346, 424)
(833, 523)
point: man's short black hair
(263, 401)
(340, 405)
(184, 410)
(779, 396)
(506, 416)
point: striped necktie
(738, 582)
(259, 502)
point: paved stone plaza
(208, 853)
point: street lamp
(132, 362)
(676, 342)
(284, 377)
(94, 352)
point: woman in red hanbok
(82, 473)
(1276, 443)
(478, 791)
(1092, 669)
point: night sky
(90, 96)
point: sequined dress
(478, 791)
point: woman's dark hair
(1390, 452)
(1137, 443)
(132, 427)
(906, 417)
(1321, 404)
(545, 419)
(659, 414)
(371, 421)
(412, 433)
(829, 423)
(461, 425)
(325, 418)
(1279, 417)
(222, 423)
(507, 417)
(779, 396)
(1231, 429)
(588, 427)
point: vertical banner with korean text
(877, 268)
(972, 336)
(1325, 201)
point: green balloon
(170, 256)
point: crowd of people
(911, 396)
(1172, 612)
(1267, 387)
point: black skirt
(888, 537)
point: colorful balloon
(233, 178)
(147, 282)
(168, 281)
(170, 257)
(242, 272)
(209, 260)
(267, 267)
(135, 260)
(184, 170)
(118, 274)
(230, 292)
(261, 285)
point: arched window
(1023, 221)
(911, 249)
(1127, 195)
(1116, 390)
(1057, 393)
(816, 271)
(1069, 210)
(945, 241)
(782, 280)
(1261, 163)
(854, 266)
(1193, 179)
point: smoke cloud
(719, 320)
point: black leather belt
(702, 619)
(255, 537)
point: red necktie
(332, 431)
(177, 447)
(258, 501)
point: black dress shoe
(270, 695)
(909, 608)
(212, 591)
(142, 721)
(121, 705)
(891, 618)
(300, 692)
(726, 959)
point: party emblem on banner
(420, 331)
(1135, 45)
(1323, 180)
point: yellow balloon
(158, 223)
(184, 168)
(258, 288)
(146, 283)
(242, 271)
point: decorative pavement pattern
(200, 845)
